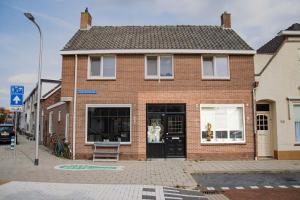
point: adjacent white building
(277, 72)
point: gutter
(254, 120)
(146, 51)
(74, 109)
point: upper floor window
(215, 67)
(159, 67)
(102, 67)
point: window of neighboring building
(59, 116)
(102, 67)
(215, 67)
(159, 67)
(296, 109)
(226, 123)
(111, 123)
(51, 131)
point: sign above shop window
(86, 91)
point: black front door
(166, 131)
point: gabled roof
(156, 37)
(273, 45)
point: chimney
(226, 20)
(85, 20)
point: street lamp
(36, 160)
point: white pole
(37, 124)
(37, 127)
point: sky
(257, 21)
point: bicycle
(60, 147)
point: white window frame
(101, 77)
(204, 77)
(222, 141)
(107, 106)
(158, 76)
(293, 119)
(67, 127)
(50, 121)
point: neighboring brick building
(54, 115)
(158, 89)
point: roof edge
(289, 32)
(143, 51)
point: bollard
(12, 142)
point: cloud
(4, 91)
(23, 78)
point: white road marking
(254, 187)
(210, 188)
(183, 195)
(225, 188)
(173, 198)
(240, 188)
(296, 186)
(268, 186)
(167, 190)
(282, 186)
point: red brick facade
(130, 87)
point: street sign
(16, 98)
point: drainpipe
(254, 119)
(74, 107)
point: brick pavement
(158, 172)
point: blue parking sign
(16, 98)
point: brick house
(162, 91)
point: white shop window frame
(101, 77)
(107, 106)
(202, 141)
(158, 76)
(204, 77)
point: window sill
(162, 79)
(101, 79)
(215, 79)
(297, 144)
(222, 143)
(92, 143)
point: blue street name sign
(16, 98)
(86, 91)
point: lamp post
(36, 160)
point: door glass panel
(155, 130)
(262, 122)
(175, 124)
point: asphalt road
(219, 180)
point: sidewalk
(51, 191)
(174, 173)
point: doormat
(87, 167)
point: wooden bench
(106, 151)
